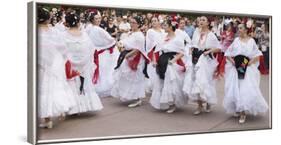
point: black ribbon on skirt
(196, 53)
(162, 63)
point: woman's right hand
(232, 61)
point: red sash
(181, 63)
(96, 61)
(69, 72)
(134, 62)
(151, 53)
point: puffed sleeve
(212, 41)
(255, 51)
(105, 35)
(179, 45)
(230, 50)
(149, 40)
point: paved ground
(116, 119)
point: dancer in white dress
(105, 56)
(187, 41)
(129, 82)
(167, 91)
(154, 36)
(54, 94)
(243, 95)
(79, 51)
(199, 83)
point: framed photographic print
(100, 72)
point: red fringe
(69, 72)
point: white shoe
(198, 111)
(42, 125)
(135, 104)
(242, 119)
(48, 125)
(171, 109)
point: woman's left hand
(206, 52)
(171, 61)
(250, 63)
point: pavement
(117, 120)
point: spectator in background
(145, 26)
(124, 27)
(189, 28)
(262, 36)
(111, 28)
(227, 37)
(235, 28)
(104, 23)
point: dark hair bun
(172, 23)
(59, 14)
(72, 20)
(42, 15)
(139, 20)
(92, 15)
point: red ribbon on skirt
(96, 61)
(151, 53)
(262, 66)
(181, 63)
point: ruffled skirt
(199, 83)
(129, 84)
(245, 94)
(169, 91)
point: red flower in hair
(93, 10)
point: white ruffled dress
(107, 61)
(80, 53)
(54, 93)
(199, 83)
(243, 94)
(130, 84)
(169, 91)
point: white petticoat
(169, 91)
(128, 84)
(243, 95)
(89, 101)
(199, 83)
(107, 62)
(54, 93)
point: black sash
(121, 58)
(241, 63)
(163, 62)
(196, 53)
